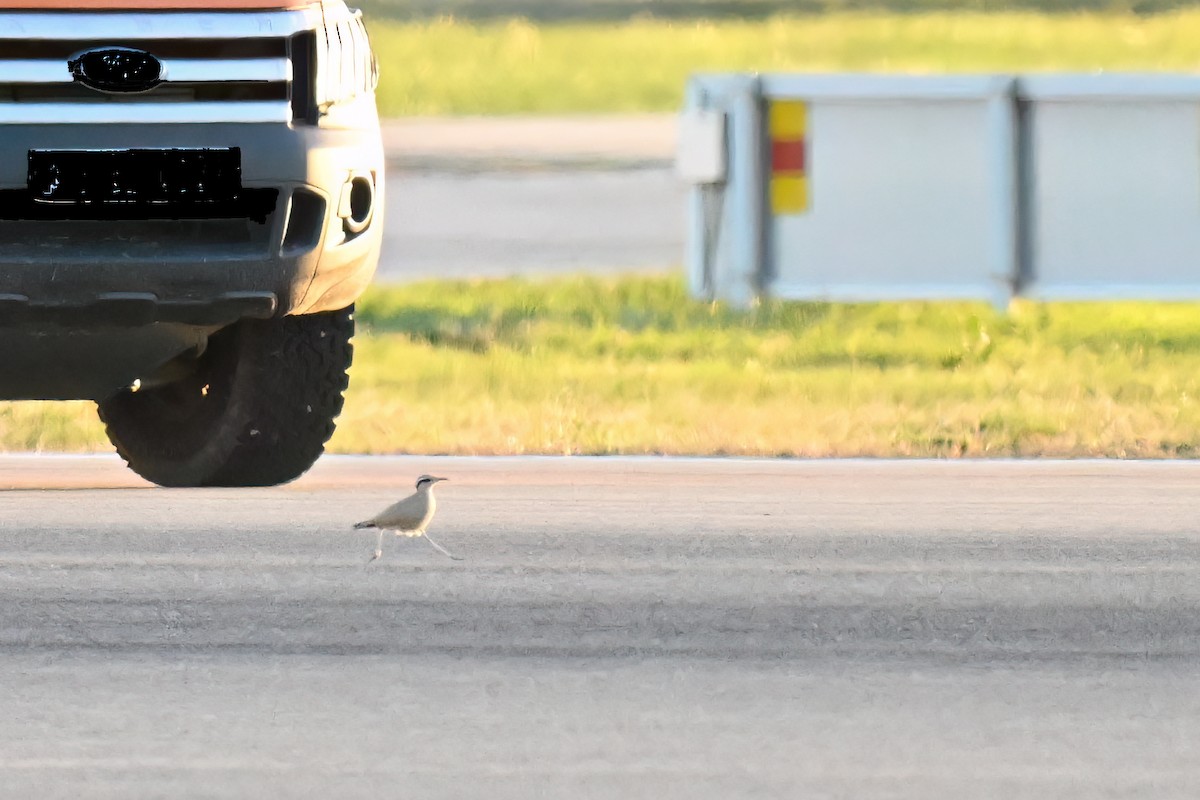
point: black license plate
(135, 177)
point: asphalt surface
(487, 197)
(618, 628)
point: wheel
(256, 410)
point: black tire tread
(281, 382)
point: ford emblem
(116, 69)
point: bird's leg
(441, 549)
(378, 547)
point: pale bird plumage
(409, 517)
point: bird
(409, 517)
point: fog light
(357, 205)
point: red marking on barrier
(787, 156)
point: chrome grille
(217, 67)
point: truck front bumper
(134, 293)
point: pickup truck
(190, 205)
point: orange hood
(152, 5)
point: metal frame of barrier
(866, 187)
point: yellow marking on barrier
(789, 194)
(787, 119)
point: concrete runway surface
(490, 197)
(619, 628)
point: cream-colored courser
(409, 517)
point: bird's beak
(441, 479)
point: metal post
(739, 265)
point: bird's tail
(367, 524)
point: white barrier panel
(906, 188)
(1111, 173)
(858, 187)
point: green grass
(633, 366)
(515, 66)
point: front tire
(257, 410)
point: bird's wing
(405, 515)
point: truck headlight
(330, 65)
